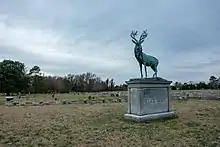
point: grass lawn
(2, 101)
(103, 125)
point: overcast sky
(75, 36)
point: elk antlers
(133, 34)
(143, 36)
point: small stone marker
(148, 98)
(64, 102)
(9, 98)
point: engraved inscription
(150, 97)
(153, 100)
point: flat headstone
(58, 102)
(64, 102)
(28, 102)
(46, 103)
(69, 102)
(9, 98)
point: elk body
(141, 57)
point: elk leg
(145, 68)
(141, 70)
(155, 71)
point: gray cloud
(79, 36)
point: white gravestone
(148, 98)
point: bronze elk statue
(142, 57)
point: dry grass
(2, 101)
(103, 125)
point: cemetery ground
(198, 124)
(66, 96)
(47, 98)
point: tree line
(214, 83)
(15, 78)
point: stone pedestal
(148, 98)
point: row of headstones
(10, 98)
(186, 97)
(112, 95)
(197, 94)
(116, 94)
(64, 102)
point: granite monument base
(148, 99)
(147, 118)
